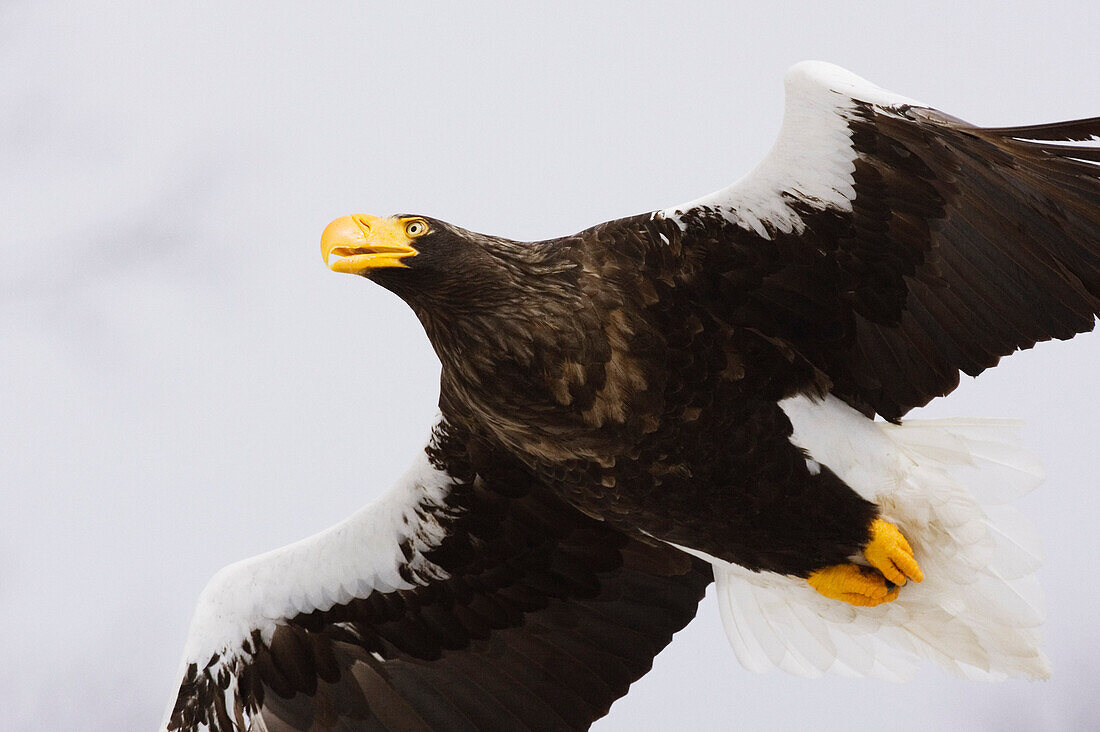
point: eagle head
(432, 264)
(426, 262)
(362, 244)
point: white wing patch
(943, 483)
(352, 559)
(812, 160)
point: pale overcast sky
(183, 383)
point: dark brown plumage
(607, 394)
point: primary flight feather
(633, 409)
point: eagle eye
(416, 228)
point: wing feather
(893, 246)
(474, 604)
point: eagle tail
(946, 484)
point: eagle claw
(854, 584)
(890, 553)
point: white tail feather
(943, 483)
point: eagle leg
(890, 553)
(854, 584)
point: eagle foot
(890, 553)
(854, 584)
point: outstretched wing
(893, 246)
(467, 598)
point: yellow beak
(357, 243)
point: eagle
(710, 392)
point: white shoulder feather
(379, 548)
(812, 160)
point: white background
(183, 383)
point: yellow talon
(890, 553)
(853, 584)
(891, 558)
